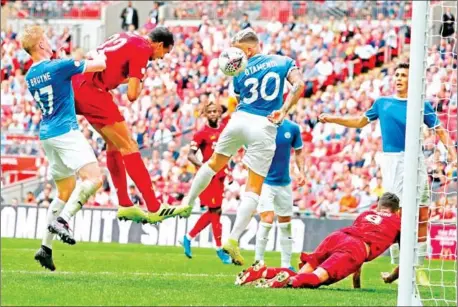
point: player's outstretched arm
(97, 62)
(357, 279)
(350, 122)
(388, 278)
(295, 78)
(448, 142)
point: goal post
(428, 55)
(415, 105)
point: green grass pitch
(92, 274)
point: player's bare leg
(119, 135)
(245, 212)
(91, 180)
(65, 188)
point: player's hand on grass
(325, 118)
(277, 117)
(386, 277)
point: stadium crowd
(346, 66)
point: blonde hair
(247, 35)
(31, 37)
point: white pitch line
(116, 273)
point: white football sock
(54, 210)
(201, 181)
(245, 212)
(421, 252)
(394, 253)
(262, 237)
(286, 243)
(79, 197)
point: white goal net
(440, 89)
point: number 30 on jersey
(253, 86)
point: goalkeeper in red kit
(127, 57)
(341, 254)
(212, 197)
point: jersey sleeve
(234, 88)
(290, 66)
(297, 139)
(430, 118)
(197, 141)
(138, 62)
(67, 68)
(373, 113)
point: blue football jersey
(260, 86)
(50, 84)
(288, 136)
(392, 113)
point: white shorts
(392, 168)
(67, 153)
(276, 198)
(256, 133)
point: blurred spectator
(448, 23)
(348, 202)
(134, 196)
(46, 199)
(153, 14)
(30, 198)
(245, 22)
(129, 16)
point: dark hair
(162, 35)
(389, 201)
(402, 66)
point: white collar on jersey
(39, 62)
(399, 98)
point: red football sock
(272, 272)
(217, 228)
(139, 174)
(202, 222)
(306, 280)
(117, 170)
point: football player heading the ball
(259, 89)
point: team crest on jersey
(213, 137)
(287, 135)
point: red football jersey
(127, 56)
(205, 139)
(378, 229)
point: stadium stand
(347, 63)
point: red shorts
(339, 254)
(95, 104)
(212, 196)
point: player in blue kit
(259, 89)
(392, 113)
(277, 197)
(68, 152)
